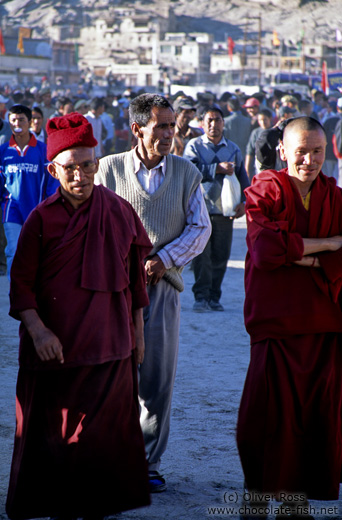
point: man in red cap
(78, 288)
(252, 107)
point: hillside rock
(317, 20)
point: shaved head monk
(78, 286)
(289, 428)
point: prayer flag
(2, 44)
(325, 80)
(231, 46)
(24, 32)
(275, 39)
(20, 45)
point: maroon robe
(78, 447)
(289, 428)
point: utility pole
(259, 52)
(244, 54)
(243, 57)
(303, 52)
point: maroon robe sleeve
(331, 263)
(271, 240)
(326, 221)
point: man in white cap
(185, 111)
(3, 108)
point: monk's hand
(239, 210)
(155, 270)
(335, 242)
(47, 345)
(139, 349)
(308, 261)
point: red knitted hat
(68, 131)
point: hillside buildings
(134, 47)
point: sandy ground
(201, 464)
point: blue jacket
(24, 179)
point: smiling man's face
(304, 151)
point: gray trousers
(158, 371)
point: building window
(132, 80)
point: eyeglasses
(86, 167)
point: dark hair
(213, 108)
(21, 109)
(62, 101)
(234, 104)
(96, 103)
(38, 110)
(302, 123)
(225, 96)
(266, 112)
(140, 107)
(303, 103)
(17, 97)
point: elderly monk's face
(75, 169)
(304, 151)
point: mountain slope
(318, 19)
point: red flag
(2, 44)
(231, 46)
(325, 80)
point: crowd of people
(138, 182)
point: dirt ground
(201, 464)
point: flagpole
(336, 49)
(259, 52)
(338, 44)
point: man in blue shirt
(215, 156)
(24, 179)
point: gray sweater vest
(162, 213)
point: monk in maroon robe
(78, 286)
(289, 427)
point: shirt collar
(13, 144)
(57, 195)
(207, 141)
(138, 164)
